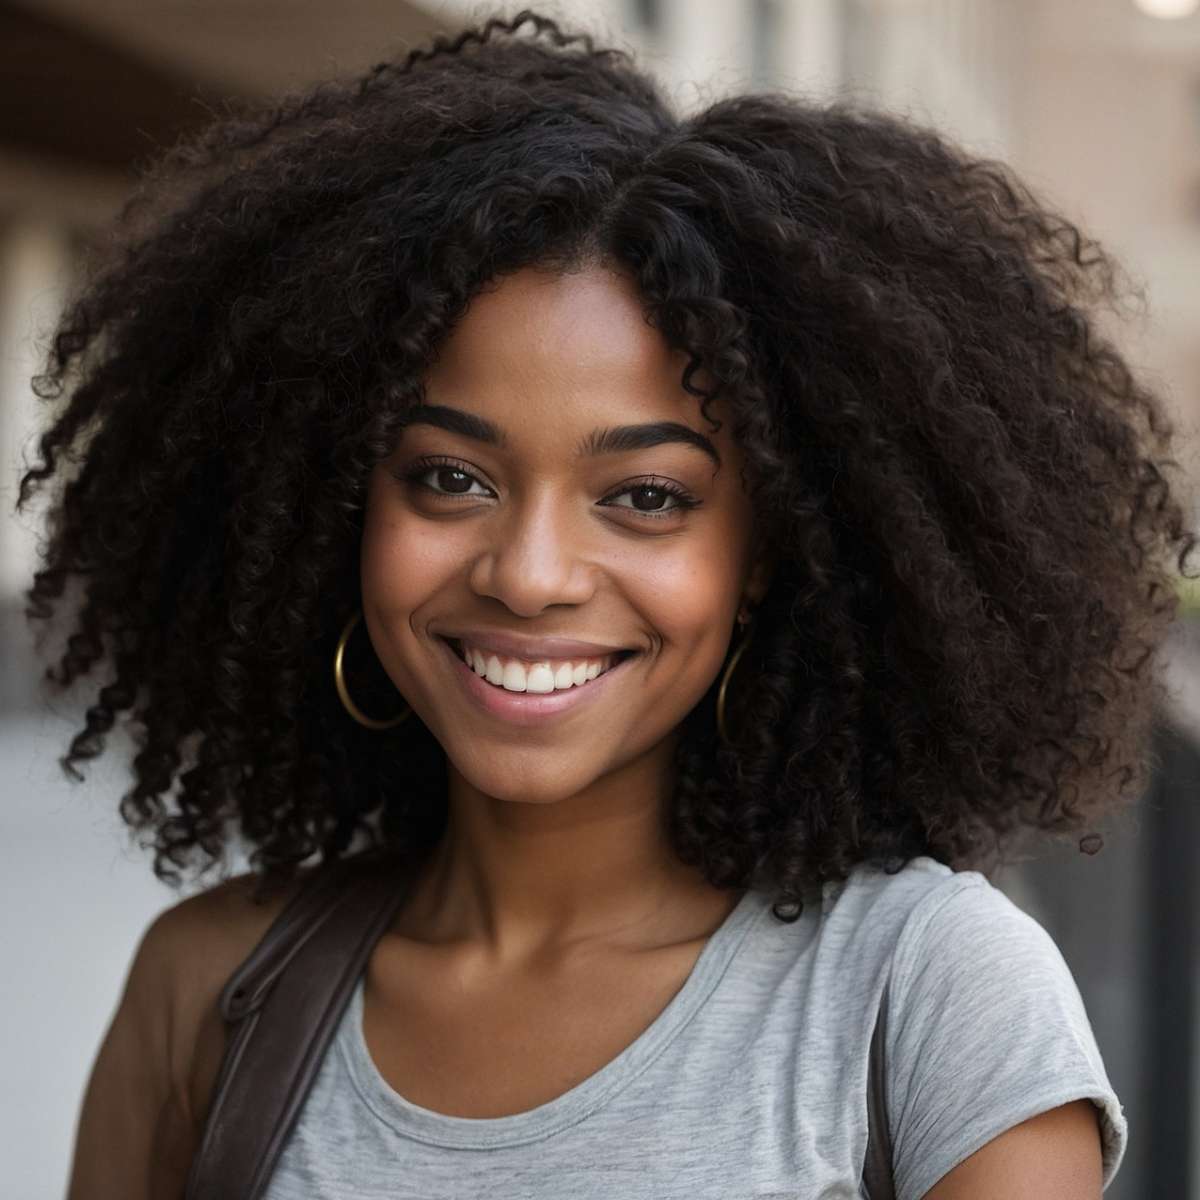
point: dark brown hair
(961, 480)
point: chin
(536, 781)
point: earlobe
(758, 582)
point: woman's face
(530, 502)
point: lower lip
(529, 708)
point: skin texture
(556, 831)
(142, 1112)
(1055, 1154)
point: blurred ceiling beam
(256, 48)
(89, 92)
(68, 96)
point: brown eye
(443, 479)
(653, 499)
(648, 499)
(450, 479)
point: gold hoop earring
(339, 682)
(725, 676)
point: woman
(694, 548)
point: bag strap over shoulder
(877, 1167)
(283, 1005)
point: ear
(758, 580)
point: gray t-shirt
(751, 1083)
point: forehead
(543, 352)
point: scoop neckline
(482, 1133)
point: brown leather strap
(283, 1005)
(877, 1168)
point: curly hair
(963, 485)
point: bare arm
(1056, 1153)
(148, 1094)
(130, 1139)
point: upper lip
(516, 645)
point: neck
(516, 880)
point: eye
(451, 478)
(654, 498)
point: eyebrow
(618, 439)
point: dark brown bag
(283, 1005)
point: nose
(535, 556)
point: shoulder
(148, 1091)
(965, 935)
(873, 905)
(985, 1029)
(924, 906)
(190, 950)
(219, 921)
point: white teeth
(514, 677)
(537, 677)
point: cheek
(402, 559)
(689, 597)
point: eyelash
(683, 500)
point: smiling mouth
(545, 676)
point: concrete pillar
(809, 56)
(709, 46)
(35, 269)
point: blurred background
(1095, 102)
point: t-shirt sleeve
(985, 1029)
